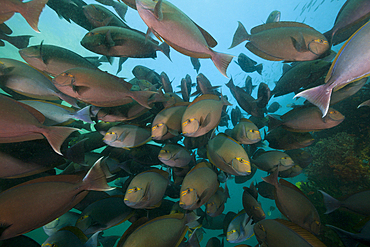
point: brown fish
(126, 136)
(92, 86)
(228, 155)
(250, 204)
(294, 205)
(100, 16)
(289, 41)
(198, 186)
(55, 195)
(169, 23)
(269, 161)
(146, 189)
(29, 10)
(202, 115)
(174, 155)
(245, 132)
(216, 204)
(20, 122)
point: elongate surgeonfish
(228, 155)
(146, 189)
(245, 132)
(169, 23)
(202, 115)
(350, 64)
(20, 122)
(288, 41)
(240, 228)
(163, 231)
(35, 203)
(294, 205)
(29, 10)
(283, 233)
(174, 155)
(198, 186)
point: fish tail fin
(347, 237)
(274, 122)
(56, 135)
(95, 178)
(20, 41)
(191, 220)
(142, 97)
(272, 178)
(165, 48)
(240, 35)
(329, 36)
(319, 96)
(259, 68)
(221, 61)
(83, 114)
(330, 202)
(31, 12)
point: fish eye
(83, 217)
(231, 232)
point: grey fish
(274, 16)
(358, 202)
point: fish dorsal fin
(240, 213)
(303, 233)
(76, 231)
(211, 42)
(333, 65)
(245, 120)
(38, 115)
(134, 226)
(285, 183)
(280, 24)
(228, 137)
(160, 172)
(204, 97)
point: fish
(248, 86)
(284, 233)
(348, 66)
(250, 204)
(174, 155)
(291, 172)
(245, 100)
(120, 8)
(358, 202)
(352, 15)
(199, 184)
(166, 83)
(300, 157)
(100, 16)
(240, 228)
(103, 214)
(245, 132)
(248, 65)
(274, 16)
(196, 63)
(353, 239)
(20, 41)
(300, 76)
(214, 242)
(52, 59)
(122, 42)
(306, 119)
(167, 123)
(204, 86)
(288, 41)
(152, 233)
(29, 10)
(236, 115)
(92, 86)
(347, 91)
(172, 25)
(216, 204)
(56, 195)
(71, 236)
(67, 219)
(281, 138)
(263, 95)
(269, 161)
(294, 205)
(144, 73)
(274, 107)
(228, 155)
(126, 136)
(22, 123)
(202, 115)
(25, 80)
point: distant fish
(71, 236)
(273, 107)
(18, 41)
(358, 203)
(274, 16)
(248, 65)
(349, 65)
(119, 7)
(100, 16)
(29, 10)
(196, 64)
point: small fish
(250, 204)
(20, 42)
(269, 161)
(196, 64)
(240, 228)
(248, 65)
(273, 107)
(245, 132)
(174, 155)
(274, 16)
(236, 115)
(126, 136)
(166, 83)
(67, 219)
(71, 236)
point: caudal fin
(274, 121)
(221, 61)
(56, 135)
(272, 178)
(84, 114)
(347, 238)
(95, 178)
(259, 68)
(240, 35)
(330, 202)
(165, 48)
(19, 41)
(319, 96)
(31, 12)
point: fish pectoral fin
(205, 121)
(79, 89)
(299, 45)
(3, 227)
(158, 10)
(122, 136)
(109, 40)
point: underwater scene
(184, 123)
